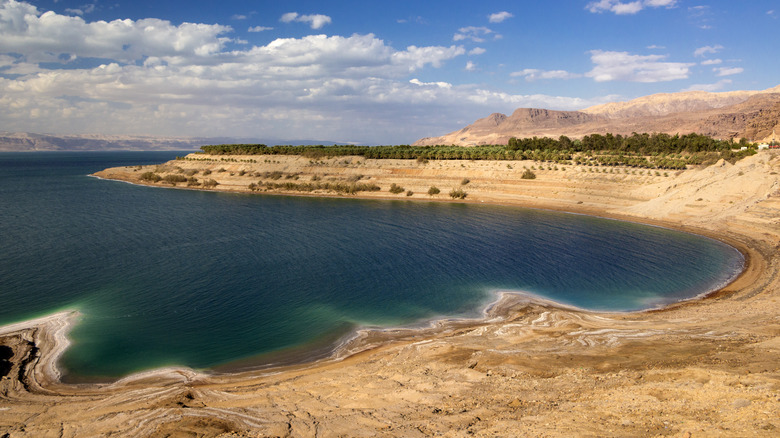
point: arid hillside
(736, 114)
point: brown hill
(735, 114)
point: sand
(709, 367)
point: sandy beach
(705, 367)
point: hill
(735, 114)
(30, 142)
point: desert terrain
(728, 115)
(708, 367)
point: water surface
(174, 277)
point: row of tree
(636, 150)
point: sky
(364, 71)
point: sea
(166, 277)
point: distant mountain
(735, 114)
(29, 142)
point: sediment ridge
(708, 367)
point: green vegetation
(338, 187)
(528, 174)
(395, 189)
(458, 194)
(434, 191)
(151, 177)
(173, 179)
(654, 151)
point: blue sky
(360, 71)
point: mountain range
(31, 142)
(754, 115)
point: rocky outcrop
(749, 114)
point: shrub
(173, 179)
(434, 191)
(210, 183)
(528, 174)
(409, 193)
(207, 172)
(465, 181)
(151, 177)
(396, 189)
(458, 194)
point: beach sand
(707, 367)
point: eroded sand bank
(704, 368)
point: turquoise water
(173, 277)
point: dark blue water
(174, 277)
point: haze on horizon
(352, 71)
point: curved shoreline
(355, 342)
(706, 365)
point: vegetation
(174, 178)
(434, 191)
(151, 177)
(528, 174)
(458, 194)
(654, 151)
(338, 187)
(396, 189)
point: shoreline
(539, 368)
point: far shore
(708, 367)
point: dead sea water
(172, 277)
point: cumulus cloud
(153, 77)
(47, 36)
(81, 10)
(701, 51)
(498, 17)
(470, 66)
(622, 66)
(473, 33)
(711, 62)
(477, 51)
(628, 8)
(316, 21)
(416, 81)
(728, 71)
(532, 74)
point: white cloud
(259, 28)
(532, 74)
(416, 81)
(655, 47)
(166, 79)
(701, 51)
(718, 86)
(728, 71)
(629, 8)
(316, 21)
(622, 66)
(81, 10)
(47, 36)
(498, 17)
(473, 33)
(711, 62)
(470, 66)
(477, 51)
